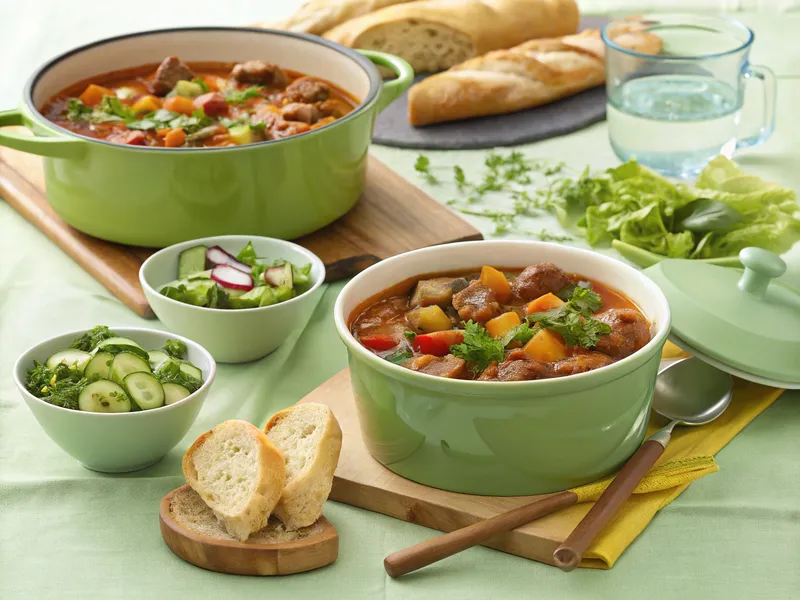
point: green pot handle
(394, 88)
(55, 147)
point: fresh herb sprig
(572, 320)
(91, 339)
(60, 386)
(479, 348)
(239, 96)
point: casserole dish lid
(741, 321)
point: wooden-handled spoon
(689, 392)
(442, 546)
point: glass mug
(677, 110)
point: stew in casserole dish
(501, 325)
(176, 105)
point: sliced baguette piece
(528, 75)
(318, 16)
(310, 439)
(433, 35)
(238, 473)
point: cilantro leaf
(522, 333)
(572, 320)
(565, 293)
(478, 348)
(77, 110)
(423, 167)
(175, 348)
(239, 96)
(585, 301)
(90, 340)
(400, 356)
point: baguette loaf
(310, 439)
(531, 74)
(318, 16)
(239, 474)
(434, 35)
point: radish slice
(231, 278)
(216, 256)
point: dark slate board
(532, 125)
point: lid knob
(760, 266)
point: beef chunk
(213, 104)
(130, 138)
(387, 317)
(334, 108)
(297, 111)
(441, 366)
(260, 72)
(283, 129)
(307, 90)
(171, 70)
(439, 291)
(629, 332)
(580, 363)
(476, 303)
(518, 368)
(538, 280)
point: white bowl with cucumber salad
(239, 296)
(115, 400)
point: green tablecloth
(66, 532)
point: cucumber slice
(100, 365)
(105, 397)
(145, 390)
(191, 261)
(116, 345)
(192, 371)
(74, 359)
(157, 358)
(118, 341)
(126, 363)
(174, 392)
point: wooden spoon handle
(435, 549)
(569, 553)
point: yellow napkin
(689, 455)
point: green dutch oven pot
(503, 438)
(156, 196)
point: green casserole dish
(150, 196)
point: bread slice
(310, 439)
(318, 16)
(239, 474)
(189, 510)
(528, 75)
(434, 35)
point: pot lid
(742, 320)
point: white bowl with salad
(239, 296)
(116, 399)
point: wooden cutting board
(363, 482)
(392, 217)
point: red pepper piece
(378, 343)
(438, 343)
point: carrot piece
(162, 132)
(497, 282)
(93, 94)
(147, 104)
(543, 303)
(211, 82)
(499, 326)
(546, 346)
(179, 104)
(175, 138)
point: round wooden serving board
(317, 546)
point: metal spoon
(689, 392)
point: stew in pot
(501, 325)
(176, 105)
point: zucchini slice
(174, 392)
(74, 359)
(105, 397)
(145, 390)
(100, 365)
(126, 363)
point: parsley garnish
(522, 333)
(572, 320)
(478, 348)
(91, 339)
(239, 96)
(400, 356)
(77, 110)
(423, 167)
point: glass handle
(767, 78)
